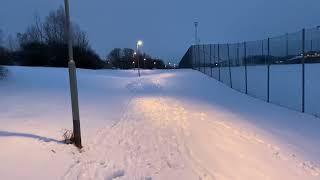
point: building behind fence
(283, 70)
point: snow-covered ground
(164, 125)
(285, 84)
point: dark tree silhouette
(45, 44)
(126, 59)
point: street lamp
(73, 81)
(139, 44)
(144, 63)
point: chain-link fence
(283, 70)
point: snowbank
(165, 125)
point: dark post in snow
(287, 45)
(199, 58)
(268, 60)
(219, 62)
(204, 58)
(214, 58)
(229, 60)
(245, 66)
(303, 69)
(193, 57)
(210, 46)
(73, 82)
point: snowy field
(177, 124)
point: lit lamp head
(139, 43)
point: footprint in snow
(116, 174)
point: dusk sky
(166, 26)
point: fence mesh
(283, 70)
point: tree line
(44, 43)
(127, 58)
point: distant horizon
(167, 32)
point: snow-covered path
(165, 125)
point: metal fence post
(219, 61)
(210, 46)
(262, 48)
(191, 56)
(287, 45)
(238, 56)
(268, 80)
(204, 58)
(229, 65)
(214, 58)
(245, 66)
(198, 47)
(196, 57)
(303, 69)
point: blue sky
(166, 26)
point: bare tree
(11, 43)
(3, 71)
(80, 38)
(54, 27)
(128, 53)
(115, 54)
(52, 31)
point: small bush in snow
(68, 136)
(3, 72)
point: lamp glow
(139, 43)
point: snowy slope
(165, 125)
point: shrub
(3, 72)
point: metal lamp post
(139, 44)
(73, 82)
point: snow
(164, 125)
(285, 84)
(291, 77)
(257, 81)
